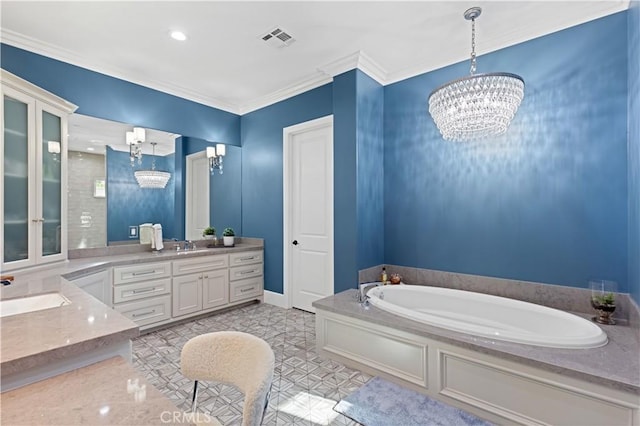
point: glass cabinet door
(16, 186)
(51, 181)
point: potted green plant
(209, 233)
(603, 300)
(229, 237)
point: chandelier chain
(472, 71)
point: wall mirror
(106, 203)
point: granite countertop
(95, 394)
(615, 365)
(88, 265)
(37, 338)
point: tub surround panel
(96, 394)
(615, 365)
(370, 274)
(547, 201)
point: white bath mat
(382, 403)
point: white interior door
(309, 212)
(197, 196)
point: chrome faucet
(362, 291)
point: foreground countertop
(91, 395)
(38, 338)
(616, 365)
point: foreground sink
(38, 302)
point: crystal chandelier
(152, 178)
(477, 106)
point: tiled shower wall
(87, 215)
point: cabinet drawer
(243, 272)
(147, 311)
(245, 258)
(245, 289)
(199, 264)
(127, 292)
(140, 272)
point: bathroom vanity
(111, 299)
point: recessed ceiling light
(178, 35)
(91, 148)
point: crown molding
(304, 85)
(358, 60)
(55, 52)
(24, 86)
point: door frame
(189, 194)
(287, 167)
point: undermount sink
(39, 302)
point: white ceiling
(225, 64)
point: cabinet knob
(295, 242)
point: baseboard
(276, 299)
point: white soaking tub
(489, 316)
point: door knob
(295, 242)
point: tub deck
(615, 365)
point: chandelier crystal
(152, 178)
(477, 106)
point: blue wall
(546, 202)
(370, 171)
(345, 217)
(634, 149)
(225, 190)
(262, 171)
(99, 95)
(130, 205)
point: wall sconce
(54, 148)
(134, 139)
(215, 154)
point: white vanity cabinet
(33, 174)
(98, 285)
(142, 292)
(200, 284)
(158, 293)
(246, 279)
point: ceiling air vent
(278, 38)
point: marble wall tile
(369, 274)
(409, 275)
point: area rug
(382, 403)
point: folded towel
(156, 241)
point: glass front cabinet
(34, 174)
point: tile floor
(305, 387)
